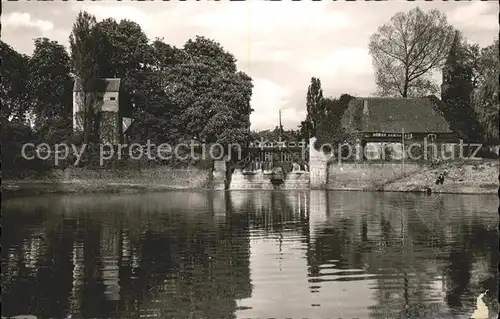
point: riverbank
(460, 177)
(472, 177)
(77, 180)
(30, 188)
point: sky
(280, 45)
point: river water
(271, 254)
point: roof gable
(110, 84)
(393, 115)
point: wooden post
(403, 148)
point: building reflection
(410, 248)
(226, 255)
(134, 259)
(279, 244)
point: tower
(107, 106)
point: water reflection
(249, 255)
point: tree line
(174, 94)
(406, 52)
(195, 91)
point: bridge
(275, 160)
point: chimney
(365, 107)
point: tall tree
(315, 107)
(304, 129)
(407, 50)
(486, 97)
(163, 55)
(85, 45)
(330, 130)
(210, 53)
(51, 89)
(124, 48)
(458, 88)
(155, 116)
(13, 89)
(213, 96)
(126, 54)
(194, 92)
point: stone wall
(109, 131)
(372, 174)
(219, 175)
(261, 180)
(109, 125)
(317, 167)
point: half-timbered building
(388, 124)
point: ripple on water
(251, 255)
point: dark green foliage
(50, 88)
(457, 91)
(213, 97)
(330, 130)
(123, 49)
(173, 94)
(13, 89)
(176, 94)
(86, 48)
(154, 113)
(486, 99)
(125, 53)
(304, 129)
(13, 137)
(210, 53)
(315, 106)
(163, 55)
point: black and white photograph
(250, 159)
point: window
(112, 98)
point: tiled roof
(112, 85)
(392, 115)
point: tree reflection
(171, 263)
(410, 252)
(168, 255)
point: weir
(269, 166)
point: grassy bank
(29, 188)
(461, 177)
(78, 180)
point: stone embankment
(79, 180)
(460, 177)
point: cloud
(291, 118)
(267, 98)
(264, 16)
(268, 51)
(350, 60)
(477, 15)
(20, 20)
(118, 13)
(156, 19)
(281, 45)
